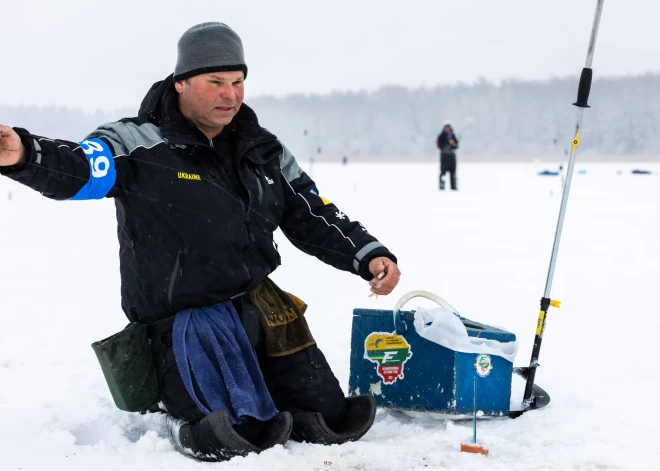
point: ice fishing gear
(427, 360)
(474, 447)
(129, 369)
(532, 398)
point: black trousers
(300, 382)
(448, 165)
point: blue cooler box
(407, 372)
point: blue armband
(102, 172)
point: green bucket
(129, 368)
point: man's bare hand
(391, 276)
(11, 147)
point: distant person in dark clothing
(447, 143)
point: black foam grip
(545, 304)
(584, 88)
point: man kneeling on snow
(200, 187)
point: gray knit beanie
(209, 47)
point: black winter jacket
(195, 217)
(445, 144)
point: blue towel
(217, 363)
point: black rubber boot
(215, 439)
(310, 426)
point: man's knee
(304, 382)
(174, 394)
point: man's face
(211, 100)
(447, 128)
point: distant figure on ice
(200, 187)
(447, 142)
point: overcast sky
(105, 54)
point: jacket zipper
(247, 220)
(247, 211)
(176, 272)
(247, 217)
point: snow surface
(485, 249)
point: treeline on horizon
(514, 117)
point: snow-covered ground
(485, 249)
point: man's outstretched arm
(316, 226)
(61, 169)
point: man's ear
(179, 86)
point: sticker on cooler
(389, 352)
(483, 365)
